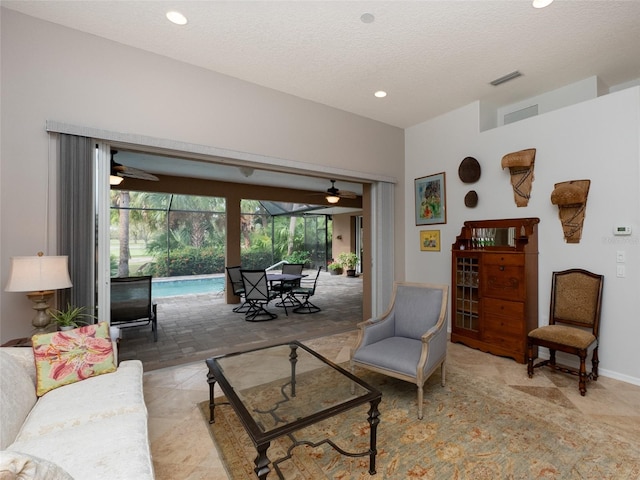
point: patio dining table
(285, 294)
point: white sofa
(92, 429)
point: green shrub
(299, 257)
(187, 261)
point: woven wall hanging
(520, 166)
(571, 199)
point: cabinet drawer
(503, 281)
(503, 319)
(494, 307)
(503, 259)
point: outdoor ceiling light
(115, 180)
(332, 198)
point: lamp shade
(37, 274)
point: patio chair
(409, 341)
(257, 295)
(237, 287)
(285, 287)
(306, 290)
(131, 304)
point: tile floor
(182, 448)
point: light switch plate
(620, 271)
(620, 256)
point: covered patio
(195, 327)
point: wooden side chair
(409, 341)
(574, 324)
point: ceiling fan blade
(346, 194)
(130, 172)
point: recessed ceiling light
(367, 18)
(380, 94)
(541, 3)
(177, 18)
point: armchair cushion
(397, 354)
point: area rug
(471, 430)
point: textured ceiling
(430, 56)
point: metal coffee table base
(262, 439)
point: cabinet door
(503, 276)
(503, 323)
(466, 294)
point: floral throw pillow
(73, 355)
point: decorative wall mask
(571, 199)
(520, 166)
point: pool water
(187, 286)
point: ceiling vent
(506, 78)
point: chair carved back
(576, 299)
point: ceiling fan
(119, 171)
(334, 195)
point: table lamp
(40, 276)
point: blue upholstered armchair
(409, 341)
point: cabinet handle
(501, 267)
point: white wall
(49, 72)
(597, 140)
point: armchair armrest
(374, 330)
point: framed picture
(430, 240)
(430, 199)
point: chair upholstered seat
(564, 335)
(403, 361)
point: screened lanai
(171, 235)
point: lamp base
(41, 304)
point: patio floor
(195, 327)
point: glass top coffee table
(278, 390)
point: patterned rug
(470, 430)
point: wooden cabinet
(494, 301)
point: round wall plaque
(469, 170)
(471, 199)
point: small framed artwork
(430, 199)
(430, 240)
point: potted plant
(335, 268)
(348, 260)
(69, 318)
